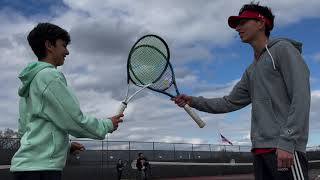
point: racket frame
(134, 47)
(143, 86)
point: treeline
(7, 139)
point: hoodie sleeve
(22, 127)
(62, 108)
(296, 77)
(237, 99)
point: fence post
(210, 151)
(174, 151)
(153, 150)
(103, 151)
(102, 158)
(107, 153)
(129, 152)
(192, 151)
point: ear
(48, 45)
(262, 24)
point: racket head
(166, 83)
(148, 59)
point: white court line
(133, 164)
(314, 161)
(4, 166)
(199, 164)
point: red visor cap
(233, 21)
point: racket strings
(148, 61)
(146, 65)
(165, 81)
(155, 42)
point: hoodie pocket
(53, 145)
(264, 121)
(60, 143)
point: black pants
(265, 168)
(37, 175)
(119, 174)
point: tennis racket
(167, 85)
(148, 59)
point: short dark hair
(46, 31)
(263, 10)
(140, 154)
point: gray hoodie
(277, 85)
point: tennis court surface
(229, 177)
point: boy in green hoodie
(277, 85)
(49, 111)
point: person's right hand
(116, 120)
(182, 99)
(76, 148)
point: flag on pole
(225, 140)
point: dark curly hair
(263, 10)
(46, 31)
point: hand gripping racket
(166, 84)
(148, 59)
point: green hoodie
(49, 112)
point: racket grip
(122, 107)
(194, 116)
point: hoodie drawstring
(274, 66)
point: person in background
(142, 166)
(120, 167)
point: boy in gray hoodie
(277, 86)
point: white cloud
(317, 57)
(102, 33)
(293, 11)
(314, 111)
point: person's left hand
(76, 148)
(284, 159)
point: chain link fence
(99, 160)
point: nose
(67, 52)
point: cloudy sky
(207, 55)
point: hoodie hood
(274, 41)
(27, 75)
(296, 44)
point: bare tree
(9, 139)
